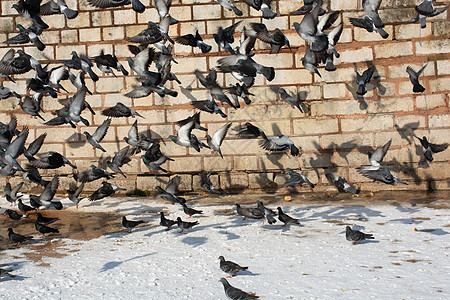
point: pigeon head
(221, 258)
(172, 137)
(279, 209)
(20, 27)
(348, 229)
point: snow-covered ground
(310, 262)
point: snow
(313, 261)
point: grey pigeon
(45, 220)
(29, 35)
(12, 65)
(92, 174)
(229, 5)
(81, 62)
(16, 238)
(136, 5)
(30, 10)
(296, 179)
(430, 148)
(263, 6)
(237, 91)
(11, 194)
(166, 222)
(185, 226)
(151, 35)
(7, 92)
(276, 39)
(55, 75)
(206, 183)
(120, 158)
(224, 37)
(141, 62)
(194, 41)
(78, 81)
(23, 207)
(32, 174)
(310, 61)
(120, 110)
(130, 224)
(250, 212)
(31, 107)
(58, 7)
(13, 215)
(107, 62)
(307, 30)
(209, 106)
(341, 184)
(268, 213)
(46, 197)
(356, 236)
(426, 9)
(286, 219)
(44, 229)
(183, 137)
(50, 160)
(292, 100)
(154, 158)
(190, 211)
(163, 10)
(14, 149)
(215, 90)
(74, 193)
(217, 138)
(363, 79)
(106, 190)
(98, 135)
(371, 21)
(279, 143)
(379, 174)
(169, 194)
(250, 131)
(414, 78)
(235, 293)
(230, 267)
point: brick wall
(334, 134)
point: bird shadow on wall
(344, 149)
(406, 168)
(323, 160)
(186, 91)
(76, 140)
(407, 131)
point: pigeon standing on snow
(371, 21)
(235, 293)
(356, 236)
(129, 224)
(230, 267)
(190, 211)
(185, 226)
(216, 140)
(430, 148)
(268, 213)
(250, 212)
(414, 78)
(98, 135)
(286, 219)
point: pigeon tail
(267, 13)
(361, 90)
(418, 88)
(37, 42)
(70, 13)
(172, 20)
(268, 72)
(423, 22)
(237, 11)
(137, 6)
(383, 33)
(330, 67)
(204, 47)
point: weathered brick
(363, 54)
(101, 18)
(409, 31)
(344, 5)
(369, 123)
(315, 126)
(430, 47)
(90, 35)
(124, 17)
(113, 33)
(203, 12)
(393, 50)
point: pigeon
(379, 174)
(210, 82)
(196, 118)
(55, 75)
(120, 158)
(209, 106)
(43, 229)
(32, 174)
(166, 222)
(30, 10)
(183, 137)
(58, 7)
(23, 207)
(276, 39)
(136, 140)
(74, 193)
(107, 61)
(136, 5)
(5, 273)
(296, 179)
(45, 220)
(239, 90)
(13, 215)
(371, 21)
(5, 93)
(285, 218)
(310, 61)
(153, 34)
(46, 197)
(230, 267)
(306, 8)
(31, 107)
(190, 211)
(11, 194)
(341, 184)
(14, 149)
(106, 190)
(92, 174)
(426, 9)
(307, 30)
(16, 238)
(29, 35)
(141, 63)
(40, 88)
(206, 183)
(279, 143)
(185, 226)
(72, 115)
(292, 100)
(268, 213)
(250, 212)
(171, 189)
(120, 110)
(224, 37)
(78, 81)
(363, 79)
(98, 135)
(414, 78)
(163, 10)
(81, 62)
(263, 6)
(129, 224)
(194, 41)
(235, 293)
(250, 131)
(430, 148)
(154, 158)
(229, 5)
(356, 236)
(377, 156)
(50, 160)
(217, 138)
(11, 65)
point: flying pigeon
(136, 5)
(341, 184)
(16, 238)
(250, 131)
(217, 138)
(58, 7)
(414, 78)
(426, 9)
(31, 107)
(224, 37)
(194, 41)
(235, 293)
(78, 81)
(237, 91)
(106, 190)
(153, 34)
(50, 160)
(276, 39)
(129, 224)
(363, 79)
(209, 106)
(292, 100)
(14, 149)
(29, 35)
(263, 6)
(81, 62)
(229, 5)
(107, 62)
(7, 92)
(154, 158)
(279, 143)
(215, 90)
(371, 21)
(30, 10)
(296, 179)
(120, 158)
(183, 137)
(230, 267)
(92, 174)
(307, 30)
(379, 174)
(185, 226)
(74, 193)
(120, 110)
(166, 222)
(171, 189)
(11, 194)
(286, 219)
(46, 197)
(430, 148)
(356, 236)
(163, 10)
(23, 207)
(98, 135)
(12, 65)
(206, 183)
(196, 118)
